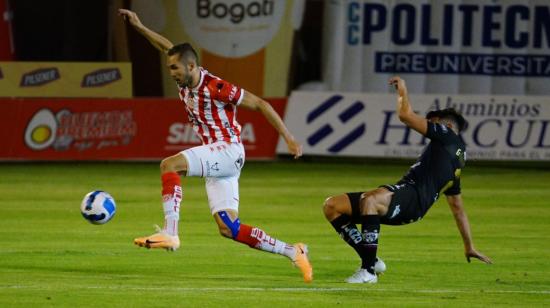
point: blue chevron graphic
(326, 130)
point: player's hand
(399, 85)
(131, 17)
(472, 253)
(294, 147)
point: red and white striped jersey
(212, 108)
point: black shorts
(404, 206)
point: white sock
(171, 206)
(273, 245)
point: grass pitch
(50, 256)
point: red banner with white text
(114, 129)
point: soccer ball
(379, 266)
(98, 207)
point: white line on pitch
(232, 289)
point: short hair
(185, 51)
(450, 114)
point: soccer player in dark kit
(436, 171)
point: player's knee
(225, 231)
(176, 163)
(329, 207)
(228, 228)
(166, 166)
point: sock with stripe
(171, 198)
(371, 230)
(257, 238)
(349, 233)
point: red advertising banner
(114, 129)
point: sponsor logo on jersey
(39, 77)
(100, 77)
(396, 211)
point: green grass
(50, 256)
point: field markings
(247, 289)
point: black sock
(370, 227)
(349, 232)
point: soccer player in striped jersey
(435, 172)
(211, 105)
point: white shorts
(220, 163)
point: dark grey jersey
(438, 167)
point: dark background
(78, 30)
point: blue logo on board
(345, 116)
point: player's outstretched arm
(404, 110)
(160, 42)
(457, 207)
(252, 102)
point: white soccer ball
(379, 266)
(98, 207)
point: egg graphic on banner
(41, 130)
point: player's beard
(187, 78)
(187, 81)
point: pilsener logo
(344, 116)
(39, 77)
(100, 77)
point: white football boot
(362, 276)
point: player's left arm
(158, 41)
(457, 207)
(253, 102)
(404, 110)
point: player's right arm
(404, 110)
(160, 42)
(253, 102)
(457, 207)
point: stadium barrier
(114, 129)
(357, 124)
(72, 79)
